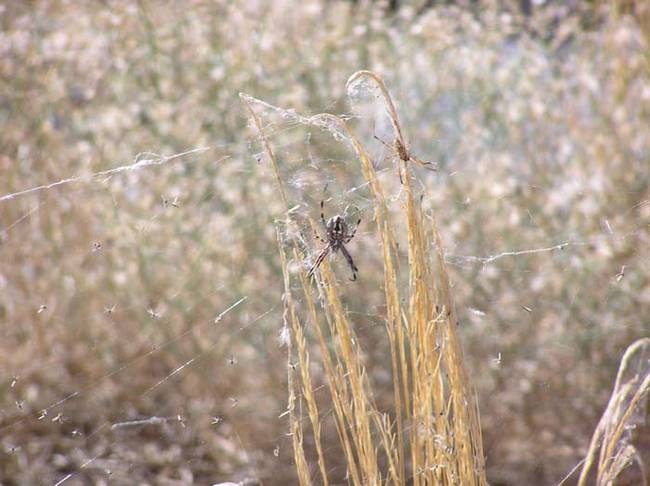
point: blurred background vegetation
(536, 114)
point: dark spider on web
(336, 235)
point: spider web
(162, 328)
(59, 415)
(309, 177)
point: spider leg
(348, 257)
(392, 149)
(319, 260)
(354, 232)
(319, 236)
(322, 212)
(423, 163)
(399, 158)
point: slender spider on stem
(404, 155)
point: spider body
(336, 236)
(336, 228)
(404, 155)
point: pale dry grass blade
(307, 390)
(246, 100)
(302, 467)
(609, 451)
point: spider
(405, 155)
(336, 230)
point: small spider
(405, 155)
(336, 230)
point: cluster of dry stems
(433, 434)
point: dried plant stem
(303, 354)
(625, 400)
(302, 467)
(335, 381)
(267, 147)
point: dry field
(162, 167)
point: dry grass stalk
(432, 335)
(608, 445)
(302, 467)
(303, 354)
